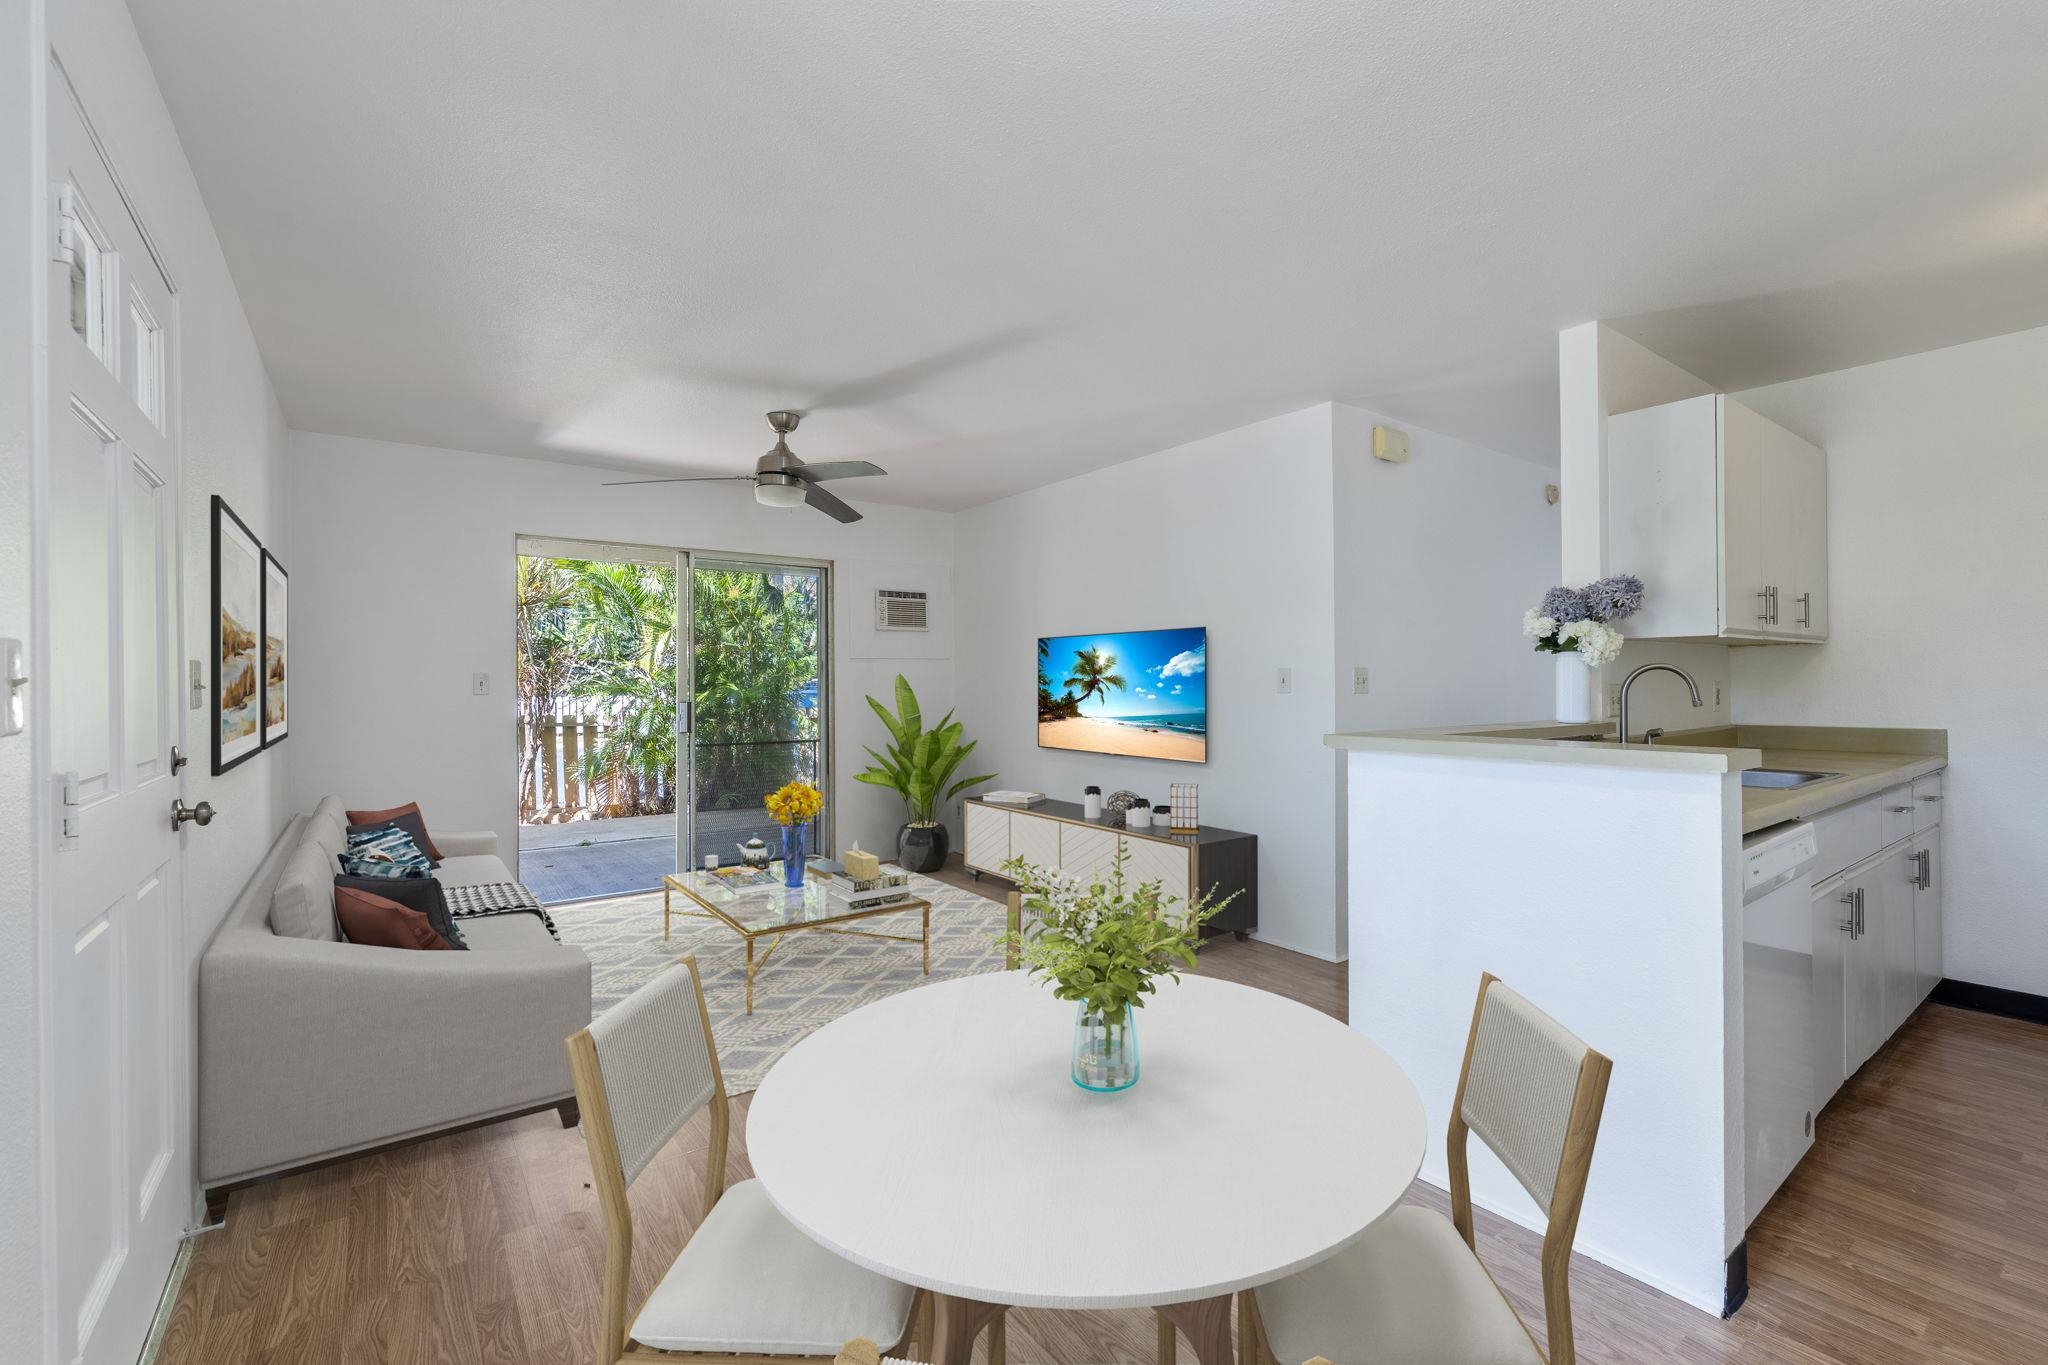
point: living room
(1242, 384)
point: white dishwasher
(1777, 1001)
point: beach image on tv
(1139, 693)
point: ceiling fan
(780, 479)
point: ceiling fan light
(776, 493)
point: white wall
(1937, 481)
(403, 586)
(1435, 561)
(1232, 532)
(232, 443)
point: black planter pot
(923, 848)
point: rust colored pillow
(381, 923)
(416, 826)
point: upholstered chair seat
(747, 1283)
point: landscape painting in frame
(1139, 693)
(275, 586)
(237, 646)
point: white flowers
(1536, 625)
(1597, 643)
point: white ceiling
(993, 245)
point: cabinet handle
(1764, 616)
(1900, 810)
(1861, 927)
(1806, 611)
(1925, 857)
(1930, 798)
(1848, 926)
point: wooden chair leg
(1169, 1340)
(999, 1338)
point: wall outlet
(479, 684)
(1286, 680)
(1361, 681)
(1717, 696)
(1613, 698)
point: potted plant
(1104, 946)
(1577, 625)
(917, 767)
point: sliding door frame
(686, 562)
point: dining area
(1231, 1162)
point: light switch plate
(480, 684)
(13, 717)
(195, 686)
(1286, 680)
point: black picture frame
(276, 628)
(237, 588)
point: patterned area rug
(811, 980)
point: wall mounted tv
(1139, 693)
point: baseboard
(1969, 995)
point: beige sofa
(312, 1048)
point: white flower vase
(1578, 689)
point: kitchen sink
(1782, 778)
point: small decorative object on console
(1138, 815)
(1114, 808)
(1091, 803)
(1187, 808)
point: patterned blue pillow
(386, 851)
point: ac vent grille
(901, 609)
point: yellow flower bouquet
(794, 806)
(797, 803)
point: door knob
(201, 814)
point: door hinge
(66, 215)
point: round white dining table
(936, 1138)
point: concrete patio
(586, 859)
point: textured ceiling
(993, 245)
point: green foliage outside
(607, 632)
(1105, 944)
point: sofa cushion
(381, 922)
(379, 817)
(326, 827)
(384, 851)
(302, 903)
(413, 827)
(491, 933)
(473, 870)
(421, 894)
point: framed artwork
(276, 585)
(237, 650)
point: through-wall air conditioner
(901, 609)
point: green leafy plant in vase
(1104, 946)
(917, 765)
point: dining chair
(746, 1284)
(861, 1351)
(1413, 1289)
(1014, 922)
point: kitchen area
(1740, 914)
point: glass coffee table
(756, 905)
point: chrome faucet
(1621, 719)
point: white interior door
(118, 1063)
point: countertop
(1869, 759)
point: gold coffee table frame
(827, 924)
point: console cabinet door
(988, 837)
(1153, 860)
(1087, 854)
(1831, 927)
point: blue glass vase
(1105, 1054)
(792, 856)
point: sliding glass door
(662, 694)
(759, 698)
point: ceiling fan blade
(836, 469)
(700, 478)
(829, 505)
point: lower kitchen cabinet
(1927, 926)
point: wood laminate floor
(1916, 1231)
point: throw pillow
(383, 923)
(421, 894)
(410, 822)
(385, 817)
(384, 851)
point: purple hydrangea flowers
(1610, 599)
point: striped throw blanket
(495, 898)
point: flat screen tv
(1139, 693)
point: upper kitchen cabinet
(1724, 515)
